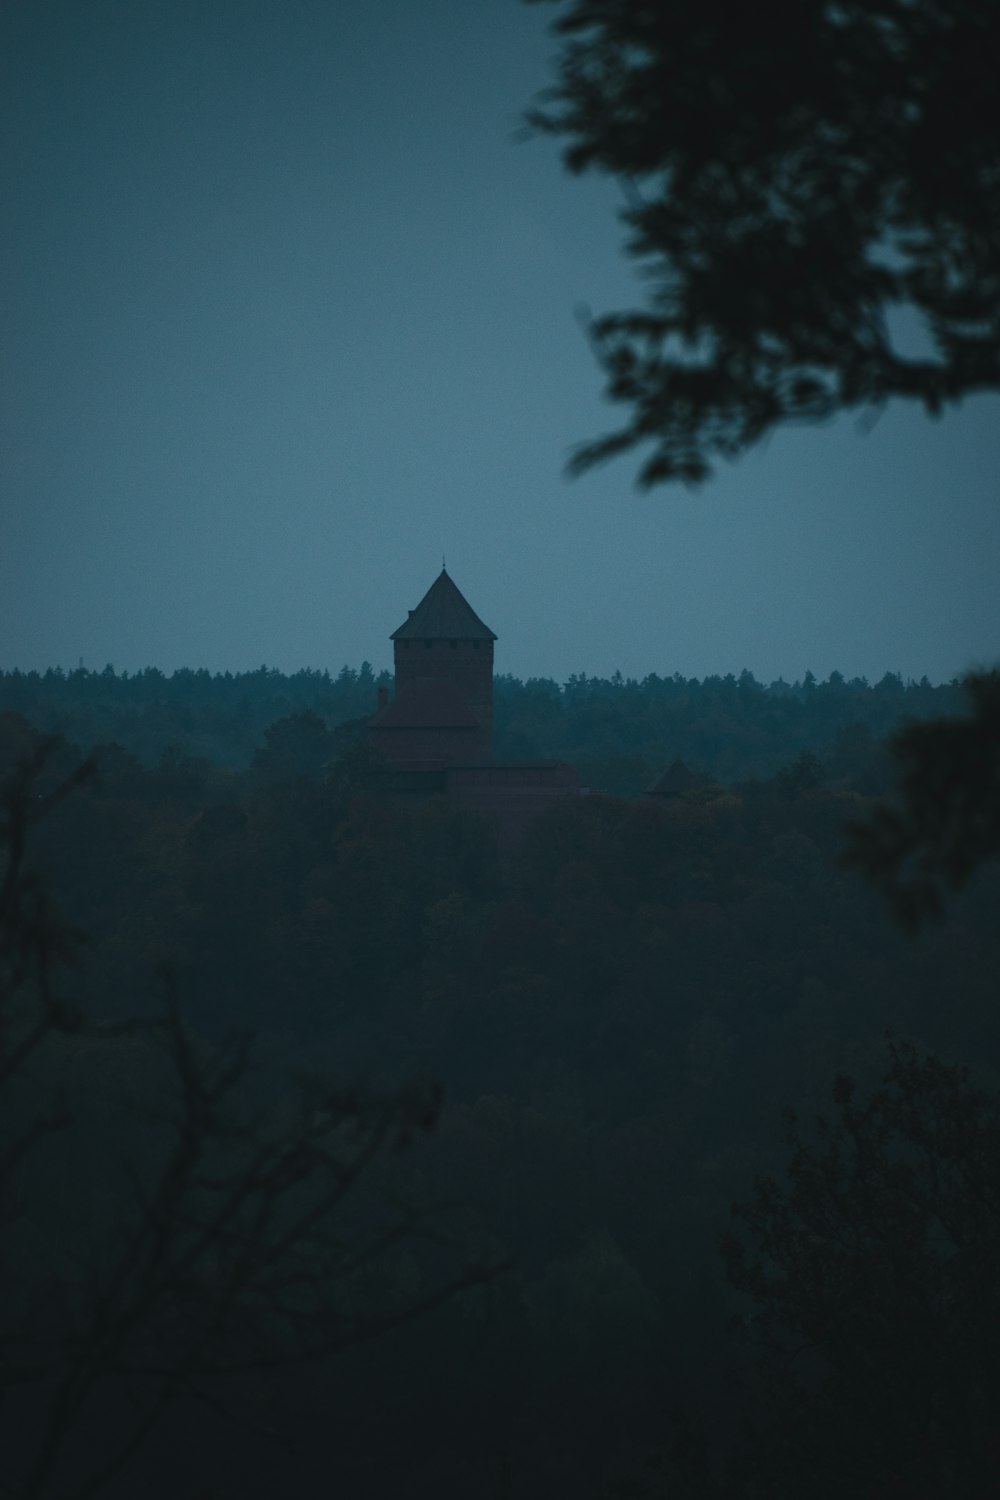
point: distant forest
(620, 732)
(615, 1016)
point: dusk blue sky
(288, 313)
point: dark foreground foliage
(617, 1013)
(178, 1233)
(944, 823)
(797, 177)
(872, 1273)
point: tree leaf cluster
(799, 183)
(943, 823)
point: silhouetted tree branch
(945, 822)
(795, 177)
(254, 1228)
(871, 1271)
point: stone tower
(442, 711)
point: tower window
(428, 645)
(453, 644)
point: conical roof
(443, 614)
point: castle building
(435, 733)
(442, 710)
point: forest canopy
(616, 1009)
(621, 732)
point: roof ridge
(443, 614)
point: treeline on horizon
(620, 731)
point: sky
(290, 312)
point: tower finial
(443, 568)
